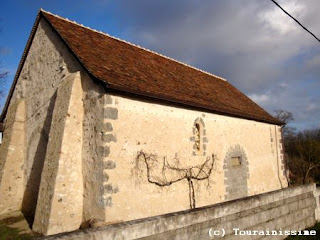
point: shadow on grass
(9, 233)
(316, 237)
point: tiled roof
(132, 69)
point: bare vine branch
(170, 174)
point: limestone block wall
(60, 201)
(96, 136)
(12, 159)
(317, 197)
(46, 66)
(290, 209)
(167, 135)
(236, 177)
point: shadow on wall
(30, 197)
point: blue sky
(251, 43)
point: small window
(235, 161)
(197, 137)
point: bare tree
(162, 173)
(286, 117)
(3, 74)
(304, 153)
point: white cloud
(312, 107)
(279, 21)
(283, 85)
(262, 99)
(253, 44)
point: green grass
(317, 237)
(9, 233)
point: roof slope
(126, 67)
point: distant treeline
(302, 152)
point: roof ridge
(135, 45)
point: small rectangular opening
(235, 161)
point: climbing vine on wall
(162, 173)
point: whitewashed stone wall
(168, 132)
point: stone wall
(236, 176)
(46, 66)
(317, 196)
(12, 159)
(60, 200)
(169, 136)
(288, 209)
(96, 131)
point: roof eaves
(191, 105)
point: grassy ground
(317, 237)
(7, 233)
(14, 227)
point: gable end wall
(46, 66)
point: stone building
(98, 128)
